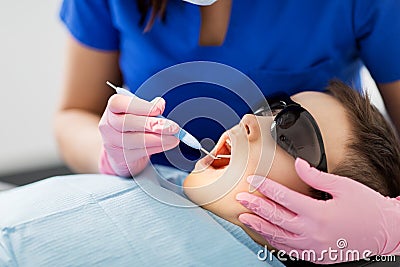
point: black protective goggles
(295, 130)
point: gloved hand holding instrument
(133, 129)
(131, 132)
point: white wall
(369, 86)
(31, 63)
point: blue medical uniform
(285, 45)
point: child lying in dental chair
(339, 132)
(101, 220)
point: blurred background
(31, 67)
(32, 61)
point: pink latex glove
(131, 133)
(357, 214)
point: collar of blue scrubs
(201, 2)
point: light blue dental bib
(100, 220)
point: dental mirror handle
(182, 135)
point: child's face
(214, 184)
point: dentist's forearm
(78, 139)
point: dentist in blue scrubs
(285, 45)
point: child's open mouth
(223, 151)
(228, 146)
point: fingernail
(158, 109)
(240, 196)
(255, 182)
(244, 221)
(301, 163)
(171, 127)
(303, 168)
(244, 202)
(247, 224)
(247, 203)
(169, 140)
(175, 128)
(255, 179)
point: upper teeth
(228, 142)
(228, 145)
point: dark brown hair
(158, 9)
(372, 150)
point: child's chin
(201, 176)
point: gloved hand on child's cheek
(357, 218)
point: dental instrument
(182, 135)
(223, 156)
(209, 154)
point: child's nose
(250, 123)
